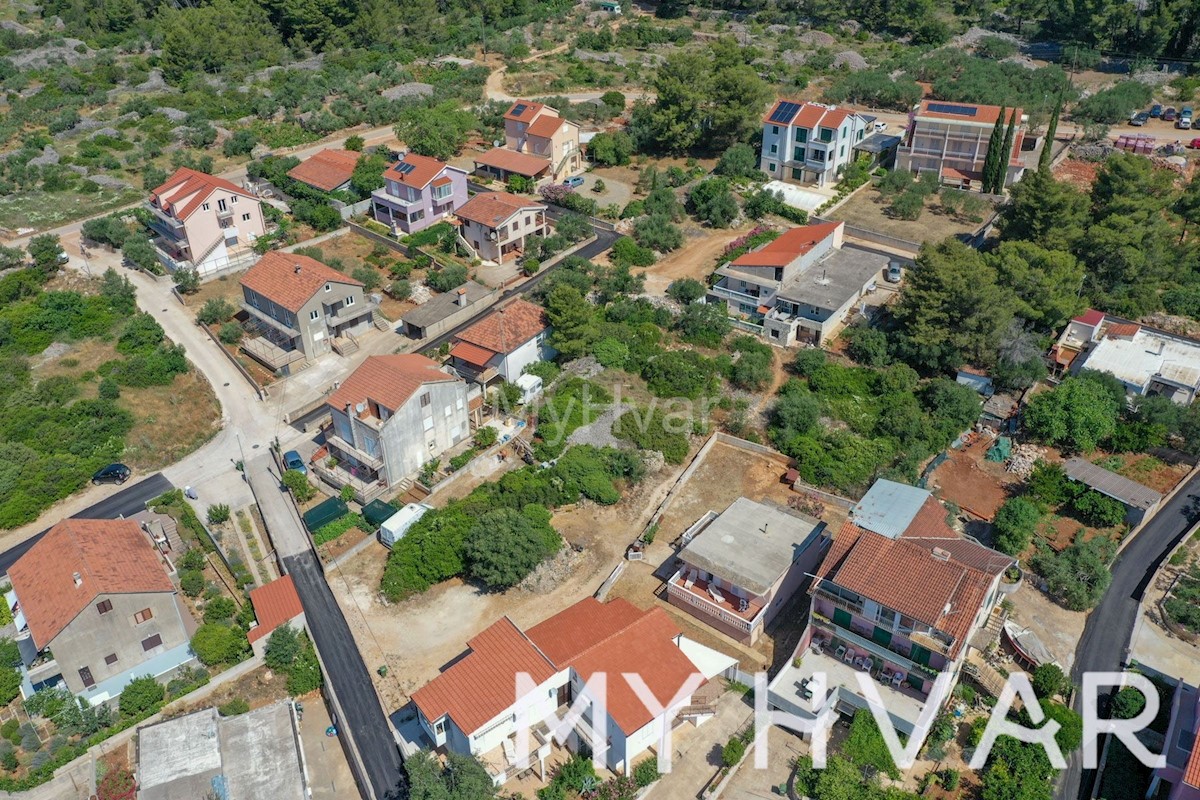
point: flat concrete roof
(888, 508)
(1134, 361)
(836, 278)
(752, 544)
(438, 308)
(253, 756)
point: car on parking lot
(894, 272)
(1170, 114)
(113, 473)
(292, 460)
(1194, 143)
(1185, 118)
(1139, 119)
(574, 182)
(1156, 111)
(1196, 124)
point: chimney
(296, 269)
(462, 296)
(78, 579)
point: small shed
(394, 527)
(610, 6)
(1139, 501)
(977, 380)
(324, 513)
(376, 512)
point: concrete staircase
(345, 345)
(985, 675)
(380, 321)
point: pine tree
(994, 144)
(1051, 129)
(1005, 154)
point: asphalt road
(345, 670)
(1106, 635)
(124, 503)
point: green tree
(1046, 282)
(1128, 703)
(187, 281)
(297, 482)
(461, 777)
(611, 149)
(118, 291)
(1045, 211)
(573, 321)
(214, 644)
(738, 161)
(711, 201)
(368, 276)
(241, 143)
(1077, 414)
(658, 233)
(1014, 524)
(438, 132)
(368, 174)
(141, 254)
(506, 545)
(10, 684)
(44, 251)
(1047, 153)
(1005, 153)
(354, 143)
(662, 202)
(1099, 510)
(995, 161)
(216, 36)
(1049, 681)
(952, 311)
(219, 609)
(704, 324)
(191, 582)
(1079, 575)
(795, 415)
(686, 290)
(1188, 206)
(141, 695)
(214, 310)
(304, 676)
(867, 346)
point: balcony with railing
(895, 652)
(932, 640)
(164, 223)
(742, 614)
(341, 313)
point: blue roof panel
(888, 508)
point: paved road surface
(1106, 635)
(124, 503)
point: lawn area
(868, 210)
(1145, 469)
(42, 210)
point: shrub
(686, 290)
(214, 644)
(304, 676)
(230, 333)
(219, 609)
(401, 289)
(218, 513)
(117, 784)
(447, 278)
(485, 437)
(733, 751)
(192, 559)
(108, 389)
(611, 352)
(626, 251)
(654, 430)
(1014, 525)
(950, 779)
(214, 310)
(658, 233)
(1099, 510)
(865, 746)
(283, 646)
(191, 582)
(237, 705)
(1049, 680)
(530, 266)
(368, 277)
(298, 483)
(187, 281)
(140, 696)
(646, 772)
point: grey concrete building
(392, 415)
(94, 608)
(254, 756)
(448, 310)
(302, 309)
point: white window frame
(314, 315)
(350, 300)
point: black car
(1156, 111)
(113, 473)
(1139, 119)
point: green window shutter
(916, 681)
(920, 655)
(881, 636)
(841, 618)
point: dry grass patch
(172, 421)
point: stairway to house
(381, 322)
(985, 675)
(345, 345)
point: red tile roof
(186, 190)
(388, 380)
(788, 247)
(424, 169)
(110, 557)
(472, 354)
(512, 161)
(528, 114)
(275, 604)
(493, 209)
(589, 637)
(327, 169)
(1122, 330)
(810, 115)
(546, 126)
(506, 329)
(482, 685)
(983, 114)
(442, 181)
(290, 280)
(1191, 773)
(1090, 317)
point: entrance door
(883, 637)
(85, 675)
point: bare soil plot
(259, 687)
(1058, 628)
(227, 287)
(973, 483)
(1080, 174)
(699, 256)
(868, 210)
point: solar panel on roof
(404, 168)
(785, 112)
(519, 109)
(947, 108)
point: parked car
(113, 473)
(1156, 111)
(894, 272)
(1140, 119)
(1196, 124)
(1170, 114)
(1185, 118)
(880, 127)
(292, 460)
(1194, 144)
(574, 182)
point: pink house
(1182, 749)
(418, 191)
(204, 222)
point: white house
(495, 225)
(503, 344)
(472, 707)
(809, 142)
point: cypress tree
(1005, 154)
(994, 145)
(1051, 129)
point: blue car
(574, 183)
(292, 460)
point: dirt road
(696, 259)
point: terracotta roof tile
(110, 556)
(186, 190)
(472, 354)
(1090, 317)
(506, 329)
(274, 604)
(481, 685)
(528, 113)
(290, 280)
(546, 126)
(388, 380)
(493, 209)
(424, 169)
(573, 630)
(325, 170)
(512, 161)
(1191, 773)
(788, 247)
(983, 114)
(1122, 330)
